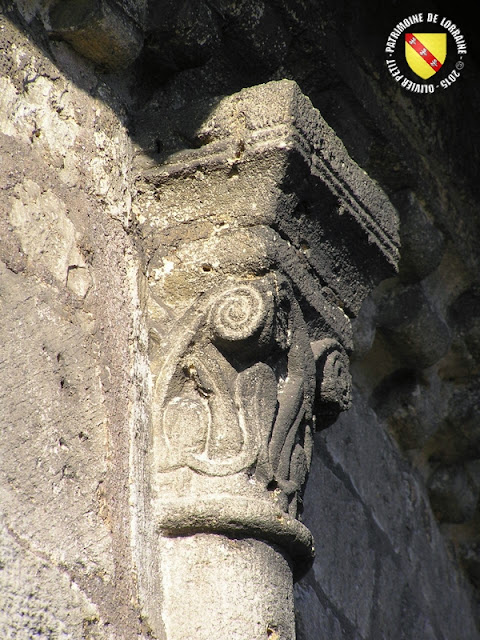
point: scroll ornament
(240, 389)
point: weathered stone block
(435, 590)
(411, 405)
(464, 316)
(54, 438)
(180, 35)
(422, 243)
(100, 30)
(414, 326)
(452, 494)
(66, 367)
(412, 558)
(39, 599)
(389, 588)
(243, 585)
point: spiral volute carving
(240, 313)
(336, 384)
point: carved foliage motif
(238, 388)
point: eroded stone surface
(41, 599)
(66, 324)
(249, 324)
(252, 353)
(101, 30)
(243, 585)
(416, 149)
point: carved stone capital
(260, 245)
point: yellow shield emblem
(425, 53)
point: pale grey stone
(40, 600)
(216, 586)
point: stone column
(260, 243)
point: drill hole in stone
(207, 267)
(233, 173)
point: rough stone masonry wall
(393, 496)
(68, 341)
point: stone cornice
(311, 187)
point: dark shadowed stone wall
(393, 495)
(382, 569)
